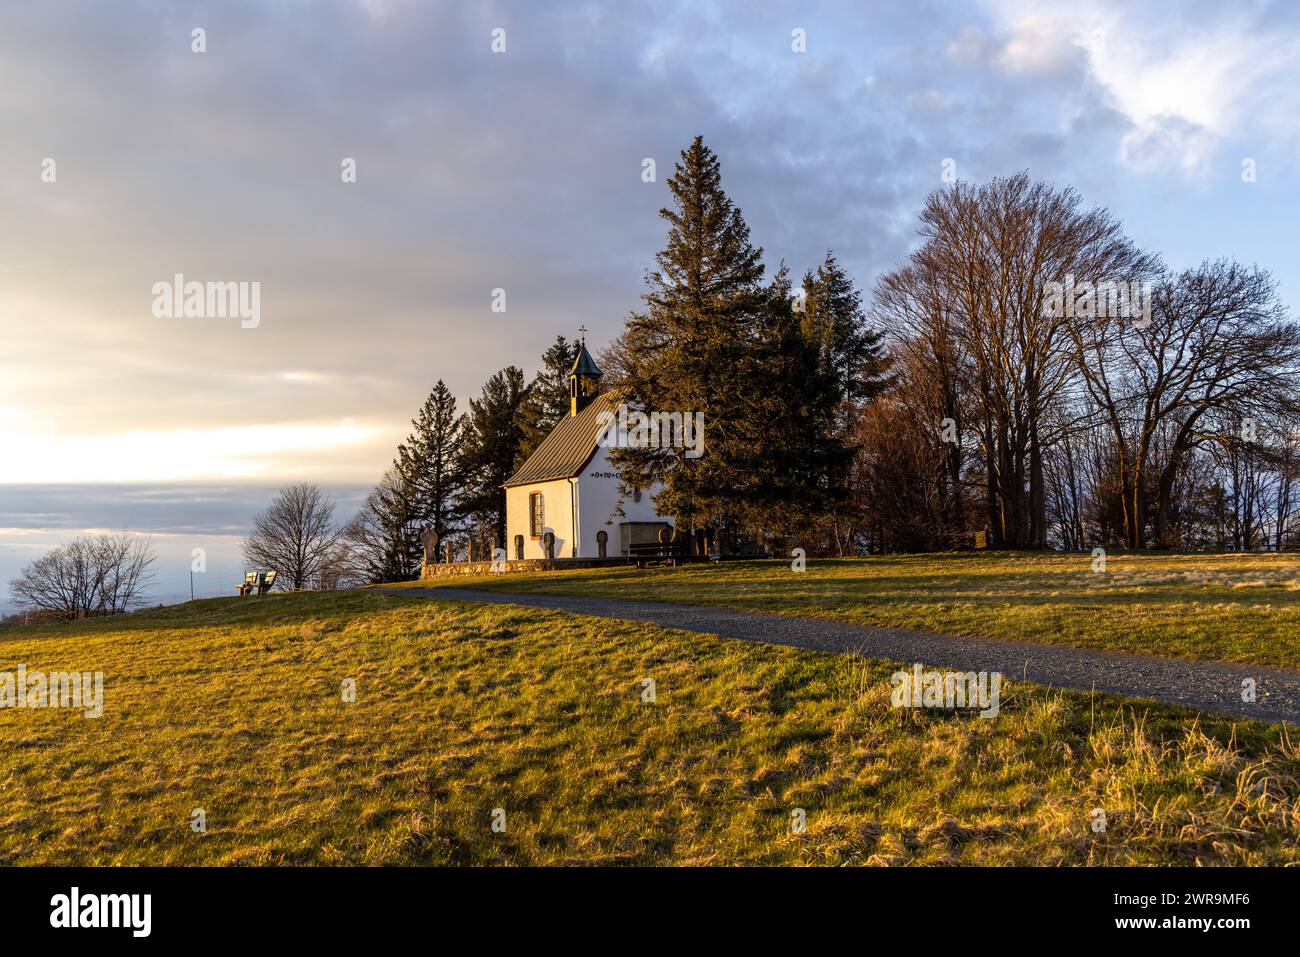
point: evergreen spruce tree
(400, 520)
(689, 351)
(548, 395)
(491, 451)
(798, 458)
(379, 539)
(833, 317)
(428, 469)
(852, 355)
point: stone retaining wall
(514, 566)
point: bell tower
(584, 377)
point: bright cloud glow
(240, 452)
(1186, 82)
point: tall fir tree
(429, 468)
(491, 451)
(833, 317)
(798, 457)
(688, 351)
(382, 539)
(851, 354)
(548, 394)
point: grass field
(235, 706)
(1216, 607)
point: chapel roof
(569, 447)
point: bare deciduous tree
(1219, 341)
(1085, 394)
(295, 535)
(995, 249)
(99, 575)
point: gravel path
(1204, 685)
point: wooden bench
(259, 582)
(657, 553)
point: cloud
(1160, 141)
(30, 511)
(1188, 77)
(519, 170)
(1034, 46)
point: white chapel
(568, 488)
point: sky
(519, 170)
